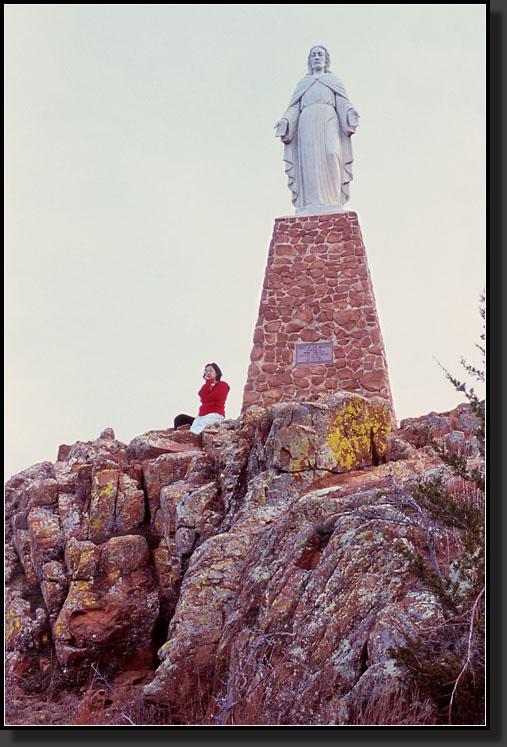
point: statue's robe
(318, 150)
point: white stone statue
(316, 131)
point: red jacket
(213, 400)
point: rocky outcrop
(455, 429)
(257, 567)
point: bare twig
(101, 676)
(235, 686)
(468, 661)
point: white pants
(201, 421)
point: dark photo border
(494, 733)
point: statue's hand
(353, 118)
(281, 127)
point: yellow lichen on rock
(359, 427)
(102, 505)
(338, 434)
(296, 448)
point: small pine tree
(449, 669)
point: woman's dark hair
(217, 370)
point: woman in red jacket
(213, 394)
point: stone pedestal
(318, 329)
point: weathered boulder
(168, 469)
(45, 537)
(228, 446)
(104, 452)
(154, 443)
(189, 513)
(25, 625)
(112, 604)
(169, 572)
(116, 506)
(27, 636)
(338, 433)
(22, 493)
(207, 593)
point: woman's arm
(203, 391)
(215, 399)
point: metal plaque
(314, 352)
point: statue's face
(318, 58)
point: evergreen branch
(427, 525)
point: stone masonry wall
(317, 289)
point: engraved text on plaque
(314, 352)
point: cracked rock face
(337, 435)
(255, 567)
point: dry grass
(98, 708)
(401, 707)
(95, 704)
(465, 491)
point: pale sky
(143, 178)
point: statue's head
(326, 55)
